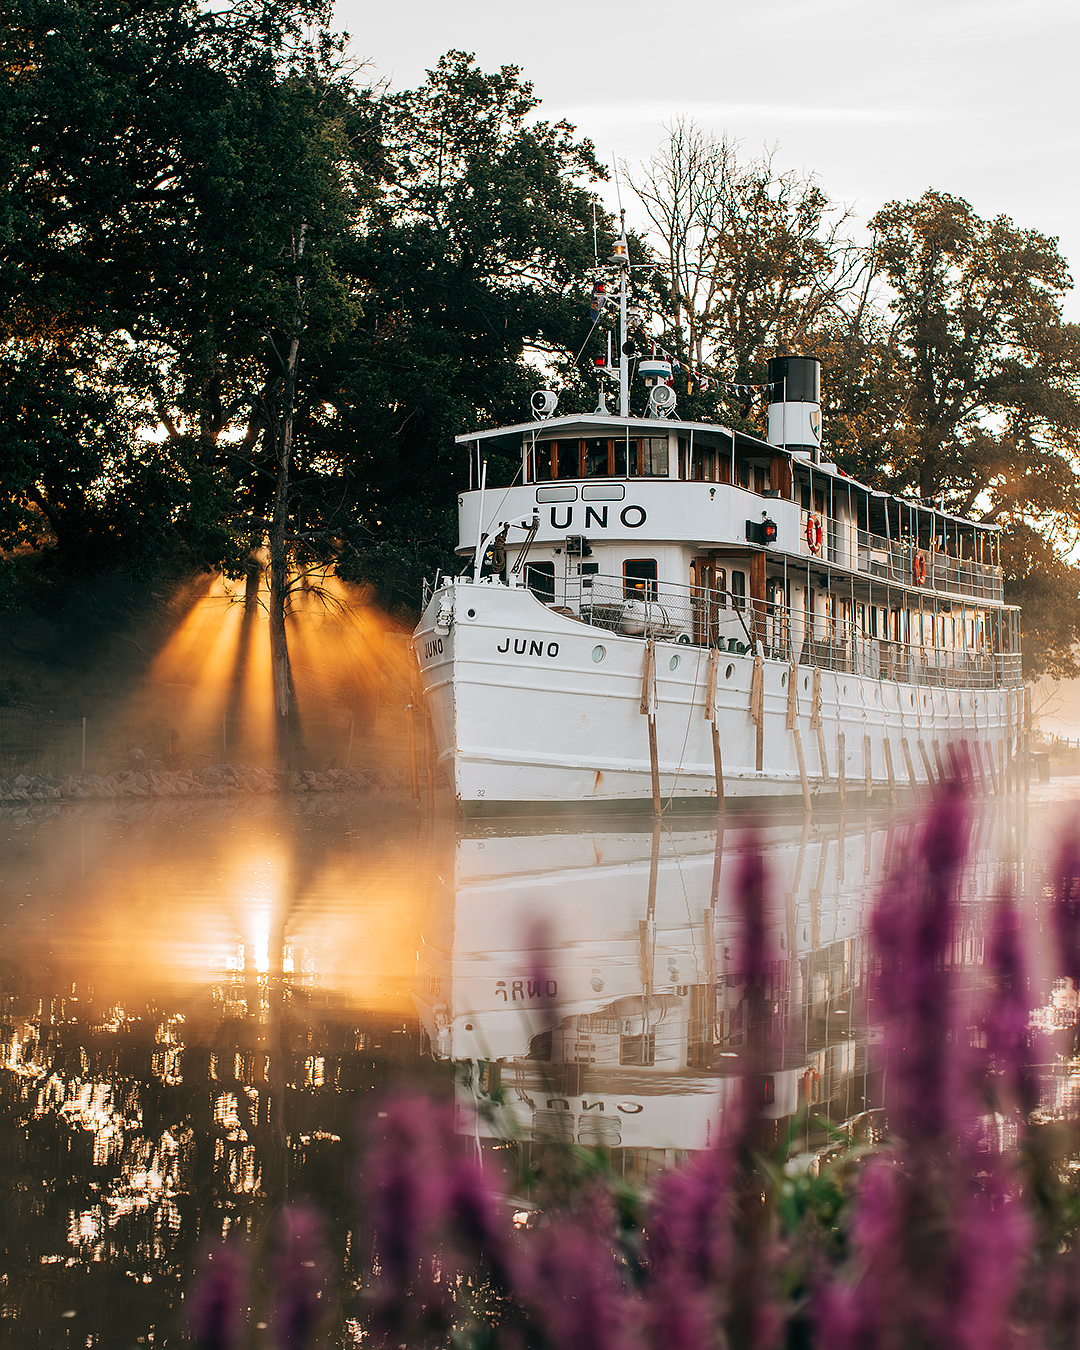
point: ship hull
(536, 709)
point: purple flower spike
(407, 1185)
(300, 1273)
(1008, 1034)
(217, 1304)
(992, 1239)
(573, 1290)
(1066, 903)
(863, 1316)
(478, 1224)
(913, 928)
(751, 899)
(688, 1248)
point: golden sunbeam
(208, 696)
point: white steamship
(664, 611)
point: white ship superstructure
(664, 610)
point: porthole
(806, 682)
(598, 653)
(877, 695)
(729, 672)
(924, 700)
(912, 697)
(471, 613)
(673, 664)
(783, 680)
(845, 689)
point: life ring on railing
(813, 533)
(918, 568)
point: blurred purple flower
(300, 1269)
(864, 1315)
(478, 1223)
(689, 1239)
(751, 900)
(991, 1240)
(217, 1302)
(1065, 906)
(1008, 1010)
(569, 1281)
(913, 926)
(407, 1191)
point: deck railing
(705, 617)
(895, 561)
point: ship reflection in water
(197, 1004)
(590, 990)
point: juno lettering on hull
(528, 647)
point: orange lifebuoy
(813, 533)
(918, 568)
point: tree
(753, 261)
(979, 383)
(155, 160)
(472, 269)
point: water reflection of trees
(126, 1134)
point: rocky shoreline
(220, 780)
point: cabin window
(628, 450)
(743, 473)
(721, 588)
(804, 496)
(596, 459)
(567, 459)
(862, 619)
(684, 458)
(639, 578)
(761, 479)
(540, 579)
(738, 589)
(654, 458)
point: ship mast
(620, 258)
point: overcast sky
(879, 100)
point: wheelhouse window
(540, 579)
(654, 457)
(738, 589)
(596, 459)
(543, 461)
(639, 578)
(568, 466)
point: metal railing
(698, 615)
(895, 561)
(706, 617)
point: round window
(598, 653)
(729, 672)
(673, 664)
(783, 680)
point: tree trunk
(279, 519)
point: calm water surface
(201, 1001)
